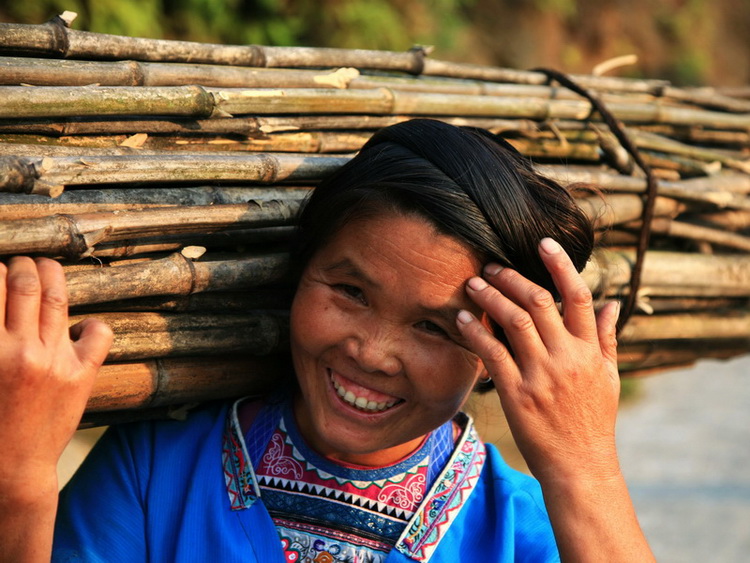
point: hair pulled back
(469, 183)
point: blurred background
(684, 435)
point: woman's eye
(350, 291)
(432, 328)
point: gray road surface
(685, 452)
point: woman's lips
(362, 398)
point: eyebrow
(349, 268)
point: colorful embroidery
(443, 503)
(238, 473)
(325, 514)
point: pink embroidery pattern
(406, 495)
(278, 464)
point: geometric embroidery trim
(429, 525)
(238, 471)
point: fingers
(53, 315)
(495, 356)
(578, 311)
(519, 326)
(606, 322)
(23, 295)
(92, 340)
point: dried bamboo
(688, 326)
(27, 206)
(75, 236)
(56, 39)
(263, 239)
(252, 125)
(197, 101)
(671, 274)
(175, 381)
(44, 72)
(154, 335)
(266, 298)
(49, 176)
(175, 275)
(129, 141)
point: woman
(426, 269)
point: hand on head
(559, 388)
(46, 369)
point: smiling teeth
(360, 402)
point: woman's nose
(375, 351)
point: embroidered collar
(431, 520)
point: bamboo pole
(49, 175)
(175, 275)
(75, 236)
(263, 239)
(671, 273)
(688, 326)
(265, 298)
(56, 39)
(153, 335)
(177, 381)
(28, 206)
(197, 101)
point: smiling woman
(426, 269)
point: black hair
(467, 182)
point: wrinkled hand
(560, 388)
(46, 370)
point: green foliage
(375, 24)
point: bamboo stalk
(175, 275)
(615, 209)
(687, 326)
(252, 125)
(27, 206)
(49, 175)
(671, 273)
(263, 239)
(265, 298)
(196, 101)
(56, 39)
(154, 335)
(176, 381)
(76, 236)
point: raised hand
(559, 387)
(46, 374)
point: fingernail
(550, 246)
(477, 284)
(492, 269)
(464, 317)
(618, 306)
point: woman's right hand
(47, 371)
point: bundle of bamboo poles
(167, 177)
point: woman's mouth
(365, 400)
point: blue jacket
(184, 491)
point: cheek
(448, 377)
(313, 320)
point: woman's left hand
(559, 388)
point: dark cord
(651, 187)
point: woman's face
(375, 346)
